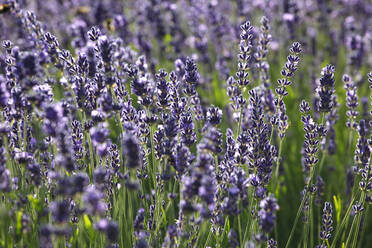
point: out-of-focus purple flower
(4, 179)
(182, 158)
(211, 141)
(266, 215)
(93, 201)
(99, 135)
(4, 95)
(233, 239)
(60, 210)
(138, 221)
(131, 151)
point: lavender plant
(158, 124)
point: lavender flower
(244, 56)
(325, 233)
(162, 89)
(77, 139)
(94, 33)
(266, 215)
(188, 135)
(311, 142)
(363, 151)
(287, 72)
(214, 115)
(95, 135)
(60, 211)
(233, 239)
(191, 77)
(93, 201)
(289, 69)
(211, 141)
(351, 101)
(4, 180)
(131, 151)
(326, 89)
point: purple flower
(325, 233)
(60, 210)
(131, 150)
(266, 215)
(214, 115)
(352, 101)
(188, 136)
(191, 77)
(93, 201)
(326, 89)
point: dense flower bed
(185, 123)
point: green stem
(276, 175)
(239, 124)
(306, 231)
(250, 200)
(25, 132)
(91, 155)
(343, 222)
(300, 208)
(240, 232)
(220, 238)
(311, 213)
(364, 226)
(322, 161)
(357, 220)
(208, 238)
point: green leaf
(337, 203)
(19, 223)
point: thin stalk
(198, 238)
(239, 124)
(271, 133)
(91, 155)
(311, 218)
(250, 200)
(130, 215)
(300, 208)
(25, 133)
(152, 155)
(208, 238)
(240, 232)
(306, 231)
(322, 161)
(343, 222)
(319, 218)
(276, 175)
(159, 200)
(364, 227)
(253, 225)
(356, 220)
(220, 238)
(355, 239)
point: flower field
(185, 123)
